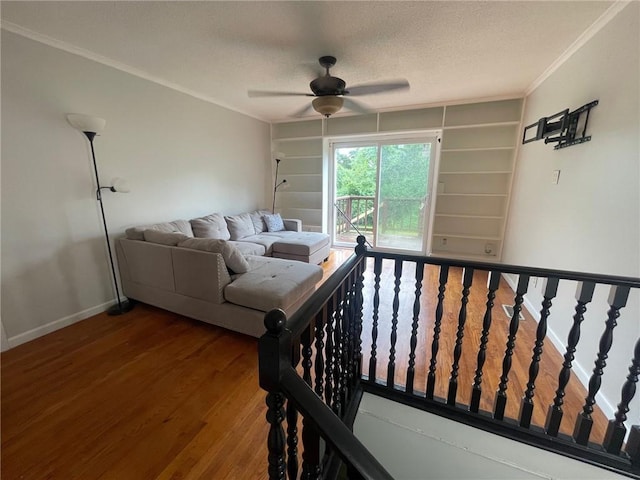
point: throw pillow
(233, 259)
(240, 226)
(164, 238)
(258, 221)
(211, 226)
(274, 222)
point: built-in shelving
(476, 164)
(477, 152)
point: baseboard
(583, 375)
(57, 325)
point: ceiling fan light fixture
(327, 105)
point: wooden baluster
(359, 316)
(414, 327)
(617, 299)
(467, 279)
(337, 356)
(391, 367)
(616, 430)
(292, 441)
(584, 294)
(275, 440)
(307, 352)
(274, 347)
(493, 283)
(349, 321)
(300, 348)
(377, 270)
(345, 351)
(310, 437)
(550, 288)
(500, 402)
(311, 454)
(328, 397)
(442, 286)
(319, 343)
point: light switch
(555, 178)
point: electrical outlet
(555, 177)
(443, 242)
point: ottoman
(309, 247)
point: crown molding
(587, 35)
(81, 52)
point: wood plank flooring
(154, 395)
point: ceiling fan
(330, 91)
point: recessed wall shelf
(477, 150)
(476, 172)
(472, 194)
(476, 165)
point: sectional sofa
(224, 270)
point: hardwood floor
(154, 395)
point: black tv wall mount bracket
(564, 125)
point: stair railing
(328, 410)
(352, 336)
(441, 393)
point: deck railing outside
(396, 214)
(337, 337)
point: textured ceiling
(448, 50)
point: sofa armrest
(292, 224)
(200, 274)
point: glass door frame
(425, 136)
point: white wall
(182, 158)
(590, 220)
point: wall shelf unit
(476, 165)
(477, 151)
(300, 145)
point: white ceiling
(448, 50)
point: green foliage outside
(403, 183)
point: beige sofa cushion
(248, 248)
(211, 226)
(258, 222)
(262, 239)
(182, 226)
(164, 238)
(240, 226)
(272, 283)
(234, 260)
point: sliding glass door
(382, 190)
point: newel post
(274, 356)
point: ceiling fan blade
(267, 93)
(356, 106)
(303, 111)
(369, 89)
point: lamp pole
(275, 186)
(90, 126)
(121, 307)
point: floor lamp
(276, 185)
(91, 126)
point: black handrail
(632, 282)
(331, 428)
